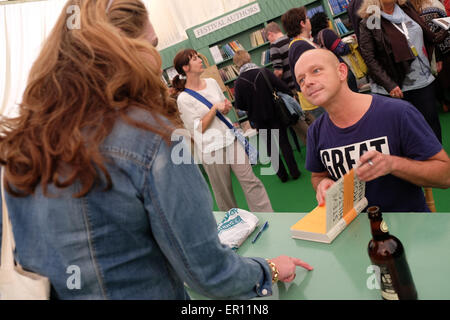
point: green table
(340, 268)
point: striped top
(279, 56)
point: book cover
(253, 39)
(344, 200)
(215, 52)
(259, 38)
(233, 46)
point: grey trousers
(219, 174)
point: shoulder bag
(16, 283)
(285, 116)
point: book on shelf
(265, 57)
(311, 12)
(229, 72)
(344, 200)
(444, 23)
(342, 29)
(337, 6)
(171, 73)
(226, 50)
(257, 38)
(216, 54)
(230, 92)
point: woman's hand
(221, 107)
(286, 267)
(228, 106)
(396, 93)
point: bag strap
(7, 256)
(206, 102)
(274, 93)
(320, 37)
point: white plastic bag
(236, 226)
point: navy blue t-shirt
(390, 126)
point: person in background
(279, 55)
(327, 38)
(429, 10)
(355, 19)
(398, 56)
(298, 28)
(89, 178)
(216, 146)
(387, 141)
(252, 94)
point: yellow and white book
(344, 200)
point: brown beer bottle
(386, 252)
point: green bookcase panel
(169, 53)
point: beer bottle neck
(379, 229)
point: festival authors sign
(227, 20)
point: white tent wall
(23, 28)
(25, 25)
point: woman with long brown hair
(96, 204)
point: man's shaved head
(323, 55)
(320, 75)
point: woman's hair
(181, 59)
(82, 81)
(319, 21)
(419, 5)
(241, 57)
(365, 10)
(291, 21)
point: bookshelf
(339, 16)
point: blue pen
(264, 227)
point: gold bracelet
(274, 270)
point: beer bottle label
(384, 227)
(387, 287)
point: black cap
(374, 212)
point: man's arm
(433, 172)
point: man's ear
(343, 71)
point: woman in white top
(214, 143)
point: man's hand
(373, 164)
(322, 187)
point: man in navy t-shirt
(386, 140)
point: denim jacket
(142, 239)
